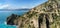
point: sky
(18, 4)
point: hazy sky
(16, 4)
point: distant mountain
(13, 9)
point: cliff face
(46, 15)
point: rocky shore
(11, 19)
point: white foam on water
(16, 26)
(5, 23)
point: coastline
(10, 25)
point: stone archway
(43, 21)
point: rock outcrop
(46, 15)
(11, 19)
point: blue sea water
(5, 14)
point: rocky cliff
(46, 15)
(11, 19)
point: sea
(5, 14)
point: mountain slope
(46, 15)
